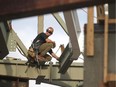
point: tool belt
(31, 52)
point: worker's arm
(55, 56)
(49, 40)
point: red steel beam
(10, 9)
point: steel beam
(9, 40)
(3, 40)
(72, 51)
(60, 21)
(17, 68)
(100, 12)
(65, 83)
(65, 61)
(23, 8)
(73, 28)
(19, 43)
(40, 23)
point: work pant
(43, 49)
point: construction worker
(42, 45)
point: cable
(87, 13)
(57, 50)
(81, 58)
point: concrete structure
(94, 65)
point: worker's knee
(50, 45)
(46, 46)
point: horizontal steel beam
(23, 8)
(17, 68)
(64, 83)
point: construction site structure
(98, 70)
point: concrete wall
(93, 66)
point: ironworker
(42, 45)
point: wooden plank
(90, 33)
(106, 49)
(23, 8)
(111, 77)
(112, 21)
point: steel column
(37, 7)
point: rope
(57, 50)
(87, 12)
